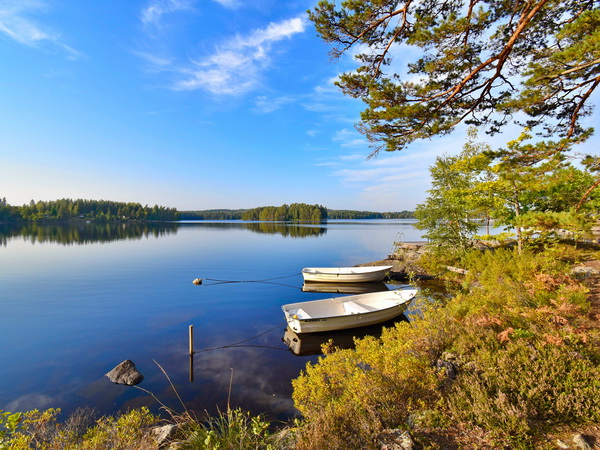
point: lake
(78, 300)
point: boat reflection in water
(305, 344)
(345, 288)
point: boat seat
(300, 314)
(354, 308)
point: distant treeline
(104, 210)
(240, 214)
(296, 212)
(101, 210)
(213, 214)
(348, 214)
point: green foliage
(296, 212)
(511, 352)
(42, 430)
(528, 187)
(232, 430)
(9, 426)
(524, 385)
(349, 214)
(458, 204)
(99, 210)
(124, 431)
(467, 56)
(213, 214)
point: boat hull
(353, 311)
(305, 344)
(345, 274)
(345, 288)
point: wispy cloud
(231, 4)
(17, 25)
(350, 138)
(265, 104)
(236, 65)
(152, 15)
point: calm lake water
(78, 300)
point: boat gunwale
(312, 319)
(342, 300)
(331, 270)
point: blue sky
(193, 104)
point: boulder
(125, 373)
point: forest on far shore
(245, 214)
(106, 210)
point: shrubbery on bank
(511, 353)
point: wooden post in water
(191, 368)
(191, 339)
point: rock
(395, 440)
(561, 444)
(582, 442)
(125, 373)
(285, 439)
(448, 366)
(163, 433)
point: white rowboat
(345, 274)
(351, 311)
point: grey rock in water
(395, 440)
(125, 373)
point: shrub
(42, 430)
(524, 388)
(232, 430)
(512, 352)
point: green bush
(524, 388)
(232, 430)
(512, 352)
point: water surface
(78, 300)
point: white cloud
(230, 4)
(152, 15)
(265, 104)
(236, 65)
(350, 138)
(16, 25)
(157, 62)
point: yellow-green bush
(233, 430)
(43, 431)
(515, 332)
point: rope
(240, 342)
(266, 280)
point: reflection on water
(345, 288)
(294, 230)
(305, 344)
(84, 233)
(92, 232)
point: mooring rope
(266, 280)
(240, 342)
